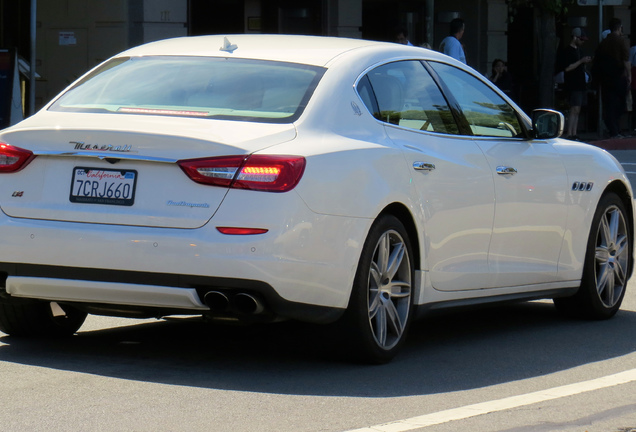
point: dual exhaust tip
(241, 303)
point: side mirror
(547, 124)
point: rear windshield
(233, 89)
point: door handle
(504, 170)
(423, 166)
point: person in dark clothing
(501, 77)
(612, 72)
(574, 79)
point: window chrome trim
(383, 123)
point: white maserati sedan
(268, 177)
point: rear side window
(407, 96)
(234, 89)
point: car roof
(311, 50)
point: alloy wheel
(389, 294)
(611, 256)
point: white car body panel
(297, 49)
(431, 299)
(456, 246)
(183, 205)
(584, 163)
(302, 266)
(530, 211)
(198, 134)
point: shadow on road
(454, 352)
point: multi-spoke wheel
(611, 257)
(381, 301)
(607, 263)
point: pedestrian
(402, 36)
(574, 79)
(612, 72)
(501, 77)
(451, 44)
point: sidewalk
(625, 143)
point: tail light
(269, 173)
(13, 159)
(241, 230)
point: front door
(529, 179)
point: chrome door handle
(504, 170)
(423, 166)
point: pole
(600, 93)
(32, 66)
(600, 20)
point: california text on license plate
(103, 186)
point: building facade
(72, 36)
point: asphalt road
(178, 375)
(470, 371)
(628, 159)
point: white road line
(502, 404)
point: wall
(496, 40)
(75, 35)
(345, 18)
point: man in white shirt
(451, 44)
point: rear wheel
(381, 302)
(39, 319)
(607, 264)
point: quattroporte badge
(80, 145)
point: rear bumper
(148, 294)
(304, 258)
(303, 266)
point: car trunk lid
(122, 169)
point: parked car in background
(326, 180)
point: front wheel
(381, 303)
(607, 264)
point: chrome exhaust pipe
(216, 301)
(247, 304)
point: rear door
(449, 171)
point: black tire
(608, 261)
(37, 319)
(381, 303)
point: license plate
(103, 186)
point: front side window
(196, 87)
(488, 114)
(407, 96)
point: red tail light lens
(13, 159)
(269, 173)
(241, 230)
